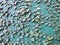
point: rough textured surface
(29, 22)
